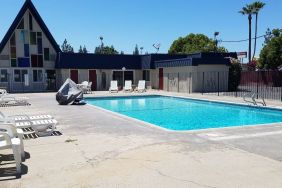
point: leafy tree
(234, 74)
(84, 50)
(105, 50)
(136, 50)
(121, 52)
(256, 6)
(80, 49)
(248, 10)
(67, 47)
(193, 43)
(271, 53)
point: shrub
(234, 75)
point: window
(146, 75)
(30, 22)
(24, 36)
(19, 75)
(34, 61)
(13, 40)
(21, 25)
(40, 60)
(14, 63)
(37, 76)
(26, 50)
(13, 52)
(46, 54)
(33, 40)
(4, 75)
(37, 60)
(39, 43)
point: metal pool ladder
(253, 101)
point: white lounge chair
(41, 127)
(7, 99)
(113, 86)
(89, 87)
(13, 132)
(141, 86)
(127, 86)
(8, 142)
(24, 117)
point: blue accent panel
(39, 46)
(26, 50)
(23, 62)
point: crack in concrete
(175, 178)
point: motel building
(31, 61)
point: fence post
(217, 83)
(178, 82)
(203, 82)
(167, 81)
(257, 82)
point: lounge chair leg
(16, 150)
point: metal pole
(178, 83)
(257, 83)
(203, 82)
(218, 84)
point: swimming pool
(176, 113)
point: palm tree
(256, 6)
(248, 10)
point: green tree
(66, 47)
(84, 50)
(256, 6)
(80, 49)
(136, 50)
(105, 50)
(248, 10)
(193, 43)
(271, 53)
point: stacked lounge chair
(7, 100)
(42, 125)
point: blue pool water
(186, 114)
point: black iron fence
(261, 84)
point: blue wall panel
(26, 50)
(23, 62)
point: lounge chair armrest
(6, 137)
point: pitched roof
(28, 5)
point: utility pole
(215, 40)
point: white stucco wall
(189, 79)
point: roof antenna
(157, 47)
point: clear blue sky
(124, 23)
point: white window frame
(20, 69)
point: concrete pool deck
(98, 149)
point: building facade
(31, 61)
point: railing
(260, 84)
